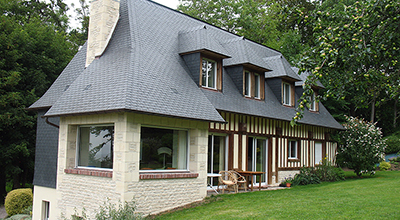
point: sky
(169, 3)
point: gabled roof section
(280, 68)
(304, 76)
(243, 54)
(200, 39)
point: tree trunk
(396, 100)
(373, 109)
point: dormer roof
(280, 68)
(304, 76)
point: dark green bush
(328, 173)
(306, 176)
(393, 143)
(18, 200)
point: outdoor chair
(229, 180)
(241, 180)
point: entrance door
(257, 156)
(318, 153)
(217, 156)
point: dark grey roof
(304, 76)
(142, 70)
(280, 68)
(243, 54)
(199, 38)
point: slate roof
(142, 70)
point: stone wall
(282, 175)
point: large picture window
(96, 146)
(162, 149)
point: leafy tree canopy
(33, 52)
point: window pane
(163, 149)
(313, 104)
(96, 145)
(204, 73)
(293, 149)
(211, 74)
(257, 86)
(247, 84)
(216, 156)
(286, 94)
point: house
(156, 100)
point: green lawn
(376, 197)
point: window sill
(293, 160)
(90, 172)
(155, 175)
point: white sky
(71, 12)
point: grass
(375, 197)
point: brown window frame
(218, 78)
(292, 97)
(253, 85)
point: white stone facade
(76, 192)
(286, 174)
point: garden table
(251, 174)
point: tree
(79, 35)
(361, 146)
(33, 52)
(355, 53)
(260, 21)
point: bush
(384, 165)
(18, 200)
(393, 143)
(110, 211)
(360, 146)
(328, 173)
(306, 176)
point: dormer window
(253, 85)
(287, 94)
(210, 74)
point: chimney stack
(104, 15)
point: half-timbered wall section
(287, 148)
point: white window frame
(213, 74)
(286, 92)
(295, 148)
(187, 150)
(313, 102)
(45, 210)
(78, 147)
(225, 152)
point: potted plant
(287, 182)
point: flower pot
(288, 184)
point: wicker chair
(229, 180)
(241, 181)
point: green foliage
(33, 52)
(384, 165)
(328, 173)
(360, 146)
(306, 176)
(109, 211)
(393, 143)
(355, 54)
(18, 200)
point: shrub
(125, 211)
(360, 146)
(306, 176)
(384, 165)
(328, 173)
(18, 200)
(393, 143)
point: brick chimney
(104, 15)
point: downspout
(50, 123)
